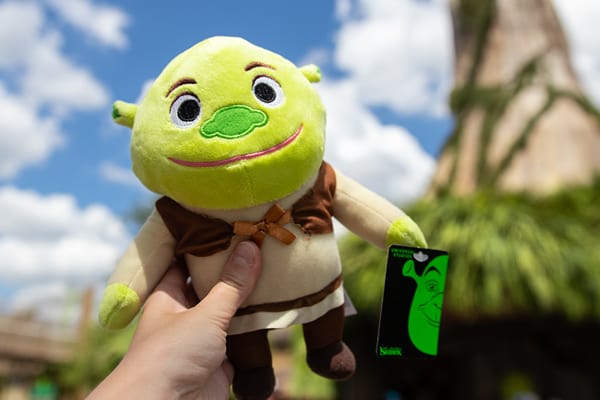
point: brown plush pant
(251, 350)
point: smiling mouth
(218, 163)
(431, 319)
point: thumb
(238, 278)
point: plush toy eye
(267, 91)
(185, 110)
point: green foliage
(494, 101)
(98, 354)
(520, 143)
(493, 97)
(364, 272)
(473, 21)
(509, 254)
(587, 105)
(475, 14)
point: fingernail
(244, 254)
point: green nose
(233, 122)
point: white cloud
(343, 8)
(52, 80)
(399, 53)
(117, 174)
(102, 22)
(53, 250)
(385, 158)
(50, 246)
(40, 84)
(31, 51)
(54, 301)
(394, 54)
(317, 56)
(145, 87)
(20, 27)
(50, 238)
(48, 299)
(25, 137)
(580, 22)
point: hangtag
(411, 308)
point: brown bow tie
(271, 224)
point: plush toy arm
(372, 217)
(137, 273)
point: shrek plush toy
(232, 136)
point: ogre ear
(124, 113)
(311, 72)
(409, 270)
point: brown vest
(201, 235)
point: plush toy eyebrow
(183, 81)
(255, 64)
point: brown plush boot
(326, 353)
(335, 361)
(254, 384)
(250, 355)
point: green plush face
(227, 125)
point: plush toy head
(227, 125)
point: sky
(66, 189)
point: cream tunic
(289, 272)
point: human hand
(178, 349)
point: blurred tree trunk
(522, 121)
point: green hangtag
(411, 308)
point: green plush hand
(118, 306)
(405, 231)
